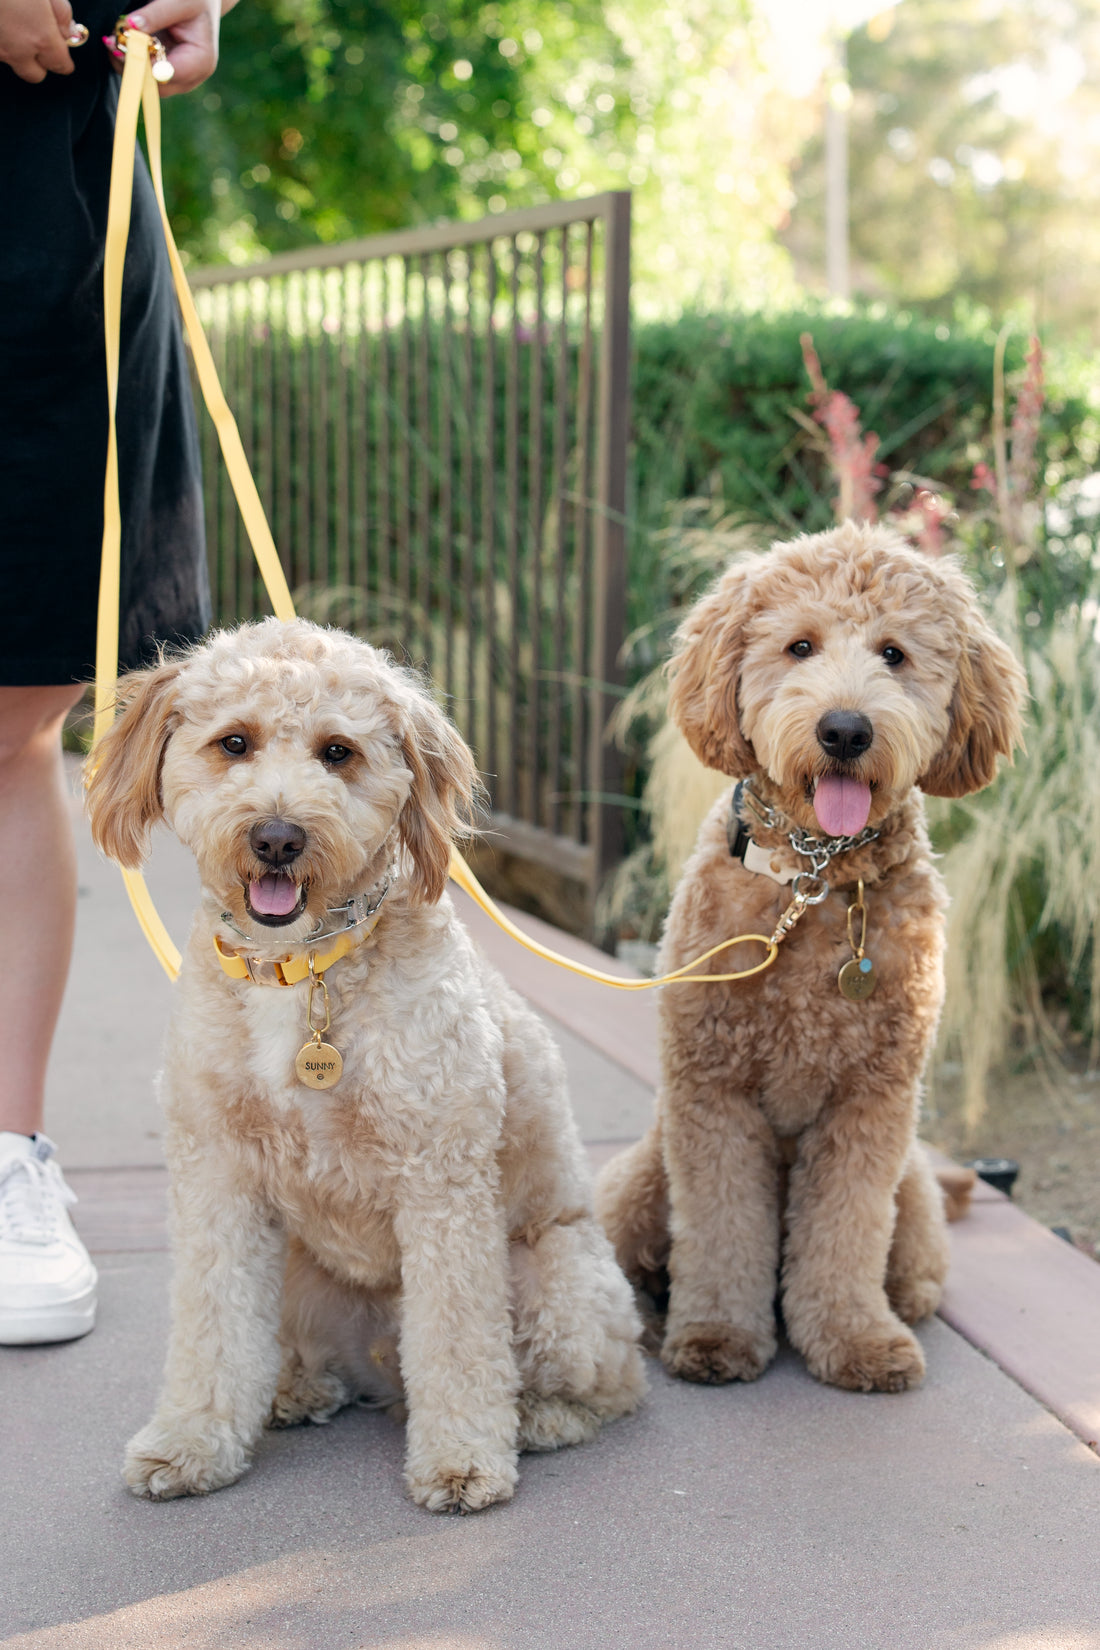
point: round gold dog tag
(318, 1065)
(856, 979)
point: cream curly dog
(837, 676)
(421, 1231)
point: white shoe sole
(42, 1325)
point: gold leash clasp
(809, 888)
(163, 71)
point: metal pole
(839, 97)
(609, 594)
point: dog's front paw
(713, 1353)
(876, 1360)
(464, 1483)
(186, 1455)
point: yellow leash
(139, 92)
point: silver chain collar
(357, 910)
(819, 850)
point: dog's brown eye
(235, 744)
(335, 754)
(893, 656)
(801, 650)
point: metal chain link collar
(819, 850)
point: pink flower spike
(1026, 419)
(813, 369)
(852, 455)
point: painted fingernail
(111, 45)
(136, 21)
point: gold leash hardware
(162, 69)
(804, 897)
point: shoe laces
(33, 1196)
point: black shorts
(55, 163)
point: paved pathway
(785, 1514)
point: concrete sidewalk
(783, 1514)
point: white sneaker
(47, 1282)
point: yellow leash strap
(464, 877)
(118, 228)
(229, 437)
(139, 90)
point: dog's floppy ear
(122, 775)
(441, 799)
(986, 710)
(704, 673)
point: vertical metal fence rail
(437, 422)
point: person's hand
(33, 37)
(189, 32)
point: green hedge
(712, 410)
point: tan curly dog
(838, 676)
(421, 1231)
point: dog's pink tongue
(841, 805)
(273, 895)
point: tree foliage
(334, 118)
(974, 129)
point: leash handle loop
(462, 875)
(138, 92)
(136, 71)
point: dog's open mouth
(841, 803)
(275, 899)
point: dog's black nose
(276, 841)
(844, 734)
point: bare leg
(47, 1282)
(39, 896)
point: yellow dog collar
(293, 968)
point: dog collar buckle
(240, 966)
(262, 972)
(743, 846)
